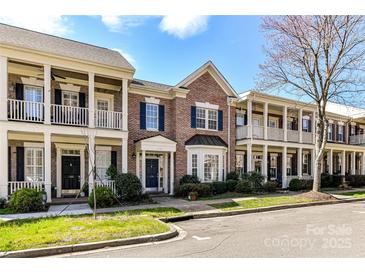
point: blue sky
(167, 49)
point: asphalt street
(318, 231)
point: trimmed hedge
(203, 190)
(189, 179)
(243, 186)
(104, 197)
(270, 186)
(231, 185)
(233, 175)
(219, 187)
(356, 180)
(26, 200)
(300, 184)
(328, 180)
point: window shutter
(9, 163)
(281, 122)
(20, 163)
(161, 118)
(220, 120)
(19, 91)
(245, 121)
(309, 164)
(268, 166)
(279, 170)
(58, 97)
(337, 138)
(82, 100)
(309, 125)
(333, 132)
(294, 164)
(142, 115)
(245, 163)
(113, 158)
(193, 116)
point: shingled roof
(206, 140)
(33, 40)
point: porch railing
(276, 134)
(67, 115)
(258, 132)
(16, 185)
(293, 136)
(357, 139)
(107, 183)
(29, 111)
(307, 137)
(108, 119)
(242, 132)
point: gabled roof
(206, 140)
(216, 74)
(28, 39)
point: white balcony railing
(108, 119)
(21, 110)
(276, 134)
(293, 136)
(242, 132)
(107, 183)
(357, 139)
(16, 185)
(258, 132)
(307, 137)
(67, 115)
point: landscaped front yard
(56, 231)
(355, 194)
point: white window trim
(40, 88)
(32, 81)
(207, 119)
(275, 120)
(73, 93)
(157, 117)
(34, 166)
(152, 100)
(70, 87)
(106, 97)
(206, 105)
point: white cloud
(184, 26)
(51, 24)
(127, 56)
(117, 23)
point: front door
(151, 173)
(70, 172)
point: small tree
(320, 58)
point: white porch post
(285, 126)
(125, 104)
(249, 158)
(300, 127)
(264, 161)
(353, 163)
(143, 168)
(362, 163)
(249, 118)
(59, 170)
(3, 88)
(172, 173)
(330, 161)
(47, 165)
(343, 163)
(284, 175)
(266, 113)
(313, 126)
(138, 174)
(91, 161)
(3, 163)
(47, 94)
(313, 156)
(91, 95)
(125, 155)
(299, 162)
(82, 168)
(165, 173)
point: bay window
(194, 165)
(33, 164)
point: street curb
(57, 250)
(254, 210)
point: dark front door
(152, 173)
(70, 172)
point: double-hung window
(273, 122)
(211, 167)
(306, 164)
(352, 131)
(240, 119)
(240, 163)
(102, 161)
(33, 164)
(33, 96)
(329, 133)
(306, 125)
(151, 117)
(194, 165)
(70, 99)
(340, 133)
(273, 167)
(288, 165)
(206, 118)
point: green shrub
(296, 185)
(356, 180)
(231, 185)
(308, 184)
(112, 172)
(189, 179)
(2, 203)
(270, 186)
(203, 190)
(128, 187)
(104, 197)
(233, 175)
(328, 180)
(219, 187)
(243, 186)
(26, 200)
(254, 178)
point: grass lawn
(67, 230)
(355, 194)
(262, 202)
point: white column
(299, 162)
(91, 161)
(362, 163)
(3, 163)
(284, 175)
(58, 172)
(249, 157)
(143, 169)
(125, 104)
(343, 163)
(172, 173)
(47, 94)
(249, 118)
(165, 173)
(91, 101)
(47, 165)
(313, 126)
(3, 88)
(138, 173)
(82, 168)
(125, 155)
(285, 126)
(353, 163)
(313, 157)
(300, 127)
(330, 161)
(264, 161)
(266, 114)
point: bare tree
(320, 58)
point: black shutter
(82, 100)
(113, 158)
(19, 91)
(193, 116)
(309, 164)
(245, 164)
(279, 167)
(20, 163)
(9, 163)
(294, 164)
(58, 97)
(337, 132)
(220, 120)
(142, 115)
(268, 166)
(161, 118)
(245, 120)
(280, 122)
(309, 125)
(333, 132)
